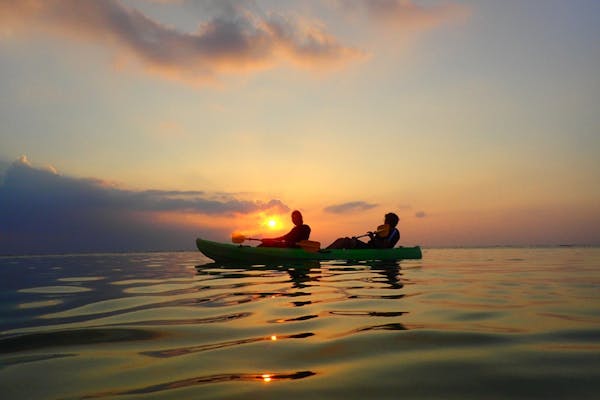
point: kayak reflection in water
(299, 232)
(385, 237)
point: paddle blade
(237, 238)
(309, 245)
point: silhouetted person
(376, 241)
(299, 232)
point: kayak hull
(225, 252)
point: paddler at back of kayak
(299, 232)
(385, 237)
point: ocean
(485, 323)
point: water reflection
(73, 337)
(265, 319)
(203, 380)
(302, 275)
(391, 273)
(181, 351)
(316, 285)
(156, 325)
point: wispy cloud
(406, 14)
(420, 214)
(237, 39)
(349, 207)
(40, 209)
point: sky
(133, 125)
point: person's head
(297, 218)
(391, 219)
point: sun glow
(272, 222)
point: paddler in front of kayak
(385, 237)
(299, 232)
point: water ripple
(74, 337)
(213, 346)
(204, 380)
(479, 323)
(55, 289)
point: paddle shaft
(308, 245)
(381, 229)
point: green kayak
(263, 255)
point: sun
(271, 222)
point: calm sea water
(461, 323)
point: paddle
(307, 245)
(239, 238)
(382, 231)
(311, 246)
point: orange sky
(475, 122)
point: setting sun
(272, 222)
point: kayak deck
(248, 254)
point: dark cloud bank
(44, 212)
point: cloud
(23, 161)
(349, 207)
(406, 14)
(238, 39)
(420, 214)
(42, 211)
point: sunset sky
(141, 124)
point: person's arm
(387, 242)
(288, 237)
(297, 234)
